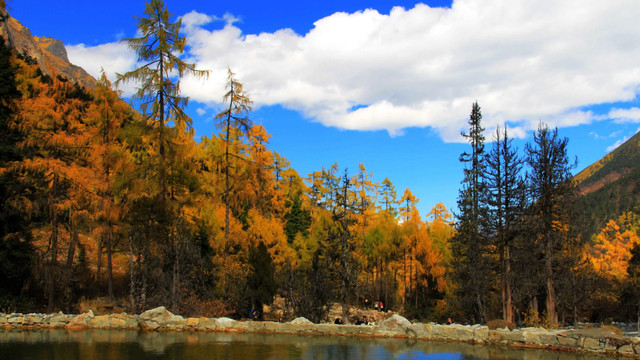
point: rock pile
(158, 319)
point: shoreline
(597, 341)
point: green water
(130, 345)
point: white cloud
(625, 115)
(523, 61)
(113, 57)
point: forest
(104, 198)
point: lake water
(129, 345)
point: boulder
(300, 328)
(207, 324)
(506, 337)
(15, 319)
(81, 321)
(176, 322)
(541, 338)
(57, 320)
(225, 323)
(33, 320)
(395, 321)
(193, 322)
(264, 326)
(155, 318)
(480, 334)
(101, 321)
(118, 323)
(418, 330)
(300, 320)
(121, 321)
(626, 350)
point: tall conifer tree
(158, 94)
(505, 190)
(469, 244)
(158, 79)
(552, 188)
(233, 122)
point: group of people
(363, 321)
(377, 305)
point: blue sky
(389, 83)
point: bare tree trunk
(507, 287)
(480, 305)
(99, 262)
(109, 268)
(72, 246)
(175, 286)
(142, 264)
(404, 277)
(53, 246)
(552, 315)
(132, 283)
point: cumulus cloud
(625, 115)
(523, 61)
(114, 57)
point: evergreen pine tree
(505, 189)
(552, 192)
(343, 244)
(469, 243)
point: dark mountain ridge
(610, 186)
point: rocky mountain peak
(53, 46)
(50, 53)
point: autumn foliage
(101, 200)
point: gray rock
(155, 318)
(625, 350)
(506, 337)
(207, 324)
(480, 334)
(15, 319)
(300, 320)
(300, 329)
(225, 323)
(33, 320)
(264, 326)
(395, 321)
(81, 321)
(419, 331)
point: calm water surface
(130, 345)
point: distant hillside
(50, 53)
(610, 186)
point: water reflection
(127, 344)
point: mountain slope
(610, 186)
(50, 53)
